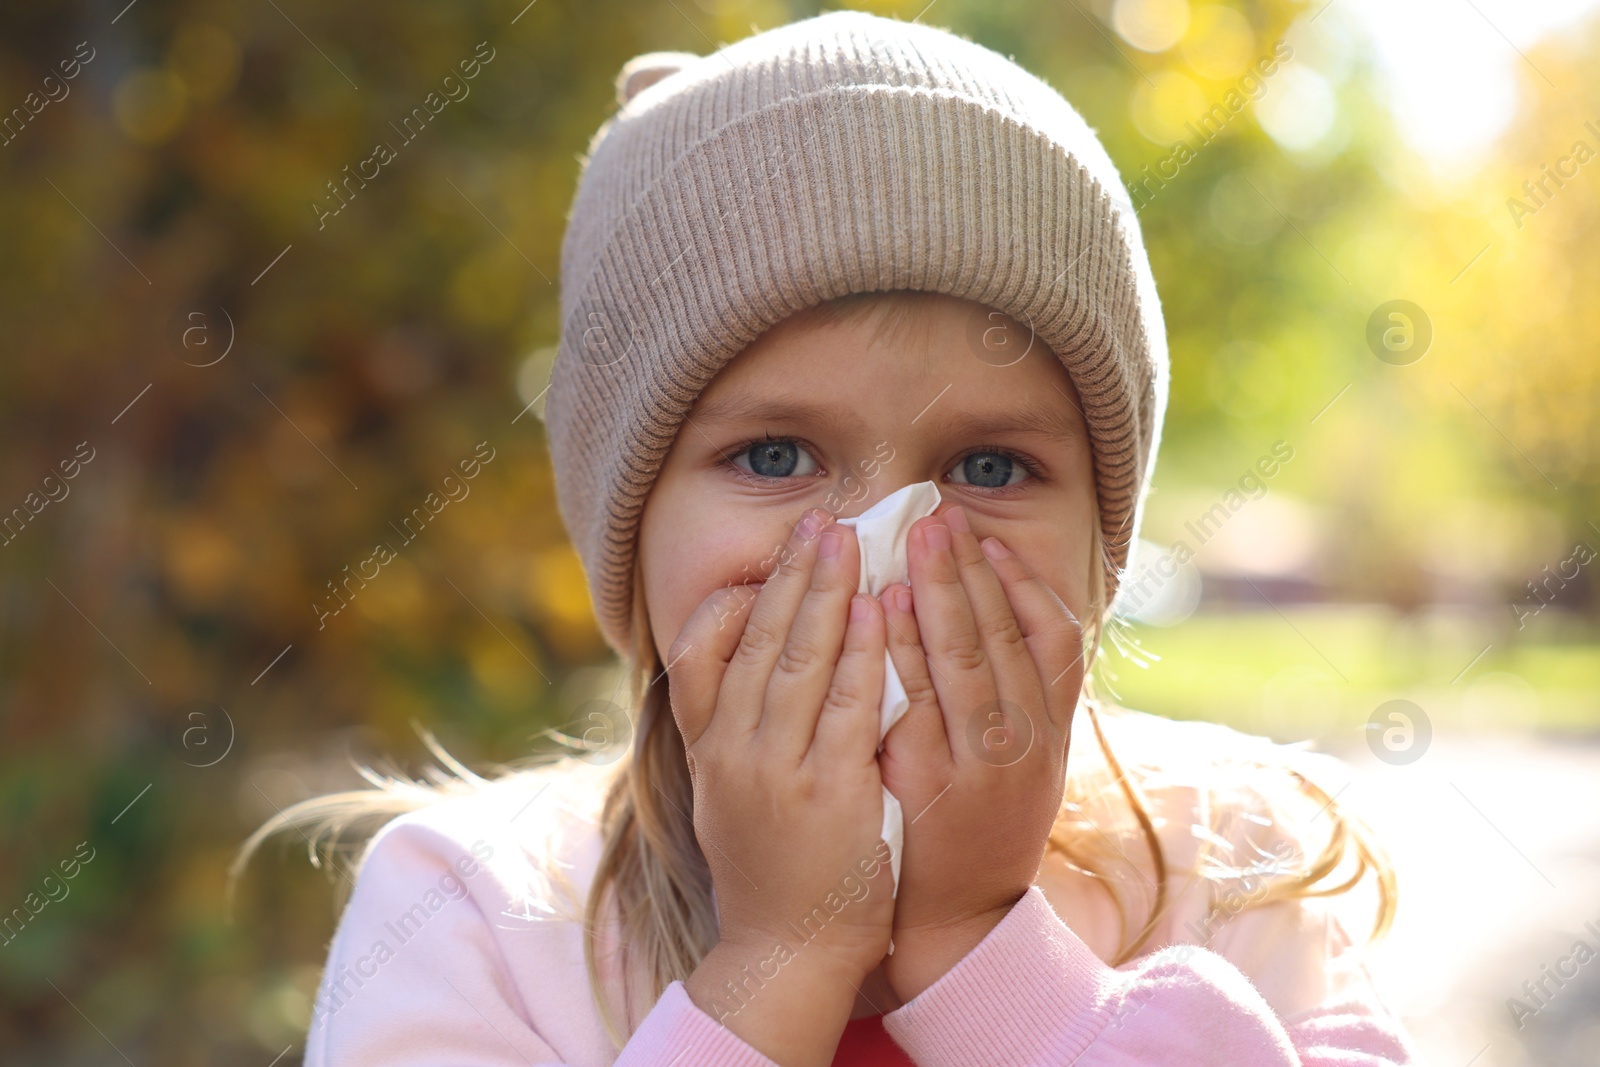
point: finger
(805, 668)
(921, 729)
(991, 610)
(846, 732)
(1019, 691)
(1053, 634)
(698, 658)
(962, 673)
(744, 685)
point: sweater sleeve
(1033, 993)
(416, 978)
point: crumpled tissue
(882, 531)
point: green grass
(1321, 671)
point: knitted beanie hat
(841, 153)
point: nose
(867, 495)
(844, 506)
(867, 478)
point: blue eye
(776, 458)
(990, 470)
(991, 467)
(773, 457)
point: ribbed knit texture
(837, 154)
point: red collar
(865, 1043)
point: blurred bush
(251, 392)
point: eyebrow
(1042, 420)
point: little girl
(920, 257)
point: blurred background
(1372, 529)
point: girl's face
(825, 415)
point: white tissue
(882, 531)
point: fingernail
(831, 541)
(957, 518)
(994, 549)
(937, 535)
(902, 599)
(813, 522)
(859, 608)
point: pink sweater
(454, 951)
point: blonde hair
(652, 869)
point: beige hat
(837, 154)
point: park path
(1496, 840)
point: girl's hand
(993, 663)
(781, 731)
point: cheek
(1055, 567)
(696, 558)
